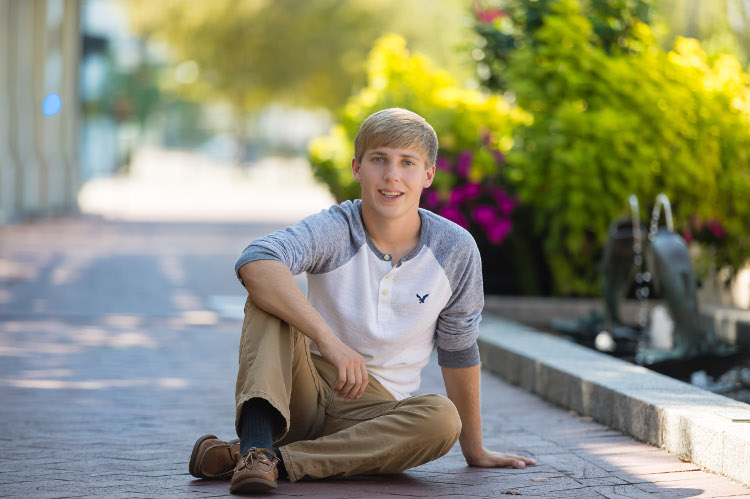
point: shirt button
(386, 257)
(388, 276)
(385, 292)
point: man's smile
(390, 194)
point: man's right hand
(352, 372)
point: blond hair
(396, 127)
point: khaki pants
(321, 435)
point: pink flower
(505, 203)
(486, 137)
(716, 229)
(499, 157)
(457, 196)
(489, 15)
(430, 199)
(687, 234)
(484, 215)
(443, 163)
(454, 215)
(499, 231)
(463, 162)
(472, 190)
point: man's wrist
(324, 337)
(472, 452)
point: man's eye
(377, 160)
(408, 163)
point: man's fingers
(350, 380)
(365, 381)
(357, 384)
(525, 460)
(340, 381)
(517, 462)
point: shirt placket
(385, 295)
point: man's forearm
(274, 290)
(462, 386)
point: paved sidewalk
(116, 353)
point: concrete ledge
(653, 408)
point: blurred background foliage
(614, 118)
(299, 53)
(549, 112)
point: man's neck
(396, 237)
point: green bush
(608, 123)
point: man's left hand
(490, 459)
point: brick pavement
(112, 363)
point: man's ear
(430, 176)
(355, 170)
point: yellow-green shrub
(641, 121)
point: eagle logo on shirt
(422, 298)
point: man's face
(392, 180)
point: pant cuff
(289, 464)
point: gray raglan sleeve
(458, 324)
(307, 246)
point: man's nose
(391, 171)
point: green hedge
(610, 123)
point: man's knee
(441, 416)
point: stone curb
(651, 407)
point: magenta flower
(430, 199)
(687, 235)
(463, 162)
(454, 215)
(486, 137)
(472, 190)
(499, 157)
(457, 196)
(716, 229)
(484, 215)
(443, 163)
(505, 203)
(499, 231)
(489, 15)
(507, 206)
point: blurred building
(40, 47)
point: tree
(304, 53)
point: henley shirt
(390, 314)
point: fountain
(648, 260)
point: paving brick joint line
(112, 363)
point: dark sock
(256, 424)
(280, 466)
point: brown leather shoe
(256, 471)
(214, 458)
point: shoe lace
(260, 455)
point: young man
(324, 382)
